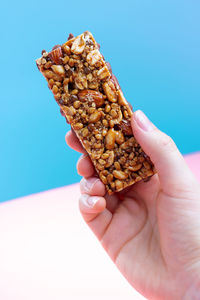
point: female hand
(152, 230)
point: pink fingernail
(143, 122)
(89, 201)
(87, 184)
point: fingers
(170, 164)
(93, 206)
(92, 186)
(84, 166)
(73, 142)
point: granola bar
(92, 102)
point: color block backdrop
(154, 49)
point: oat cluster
(92, 101)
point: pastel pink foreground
(48, 253)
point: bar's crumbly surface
(92, 101)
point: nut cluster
(93, 103)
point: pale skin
(151, 230)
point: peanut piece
(95, 117)
(78, 126)
(110, 91)
(110, 159)
(118, 184)
(119, 137)
(110, 139)
(120, 174)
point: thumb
(173, 172)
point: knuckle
(167, 143)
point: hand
(152, 230)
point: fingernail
(143, 122)
(87, 184)
(89, 201)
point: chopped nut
(51, 75)
(56, 55)
(65, 59)
(91, 96)
(110, 92)
(103, 73)
(93, 57)
(121, 98)
(71, 62)
(93, 85)
(102, 161)
(105, 155)
(78, 45)
(66, 49)
(55, 89)
(98, 136)
(81, 81)
(58, 69)
(71, 110)
(89, 77)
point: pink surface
(48, 253)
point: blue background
(154, 49)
